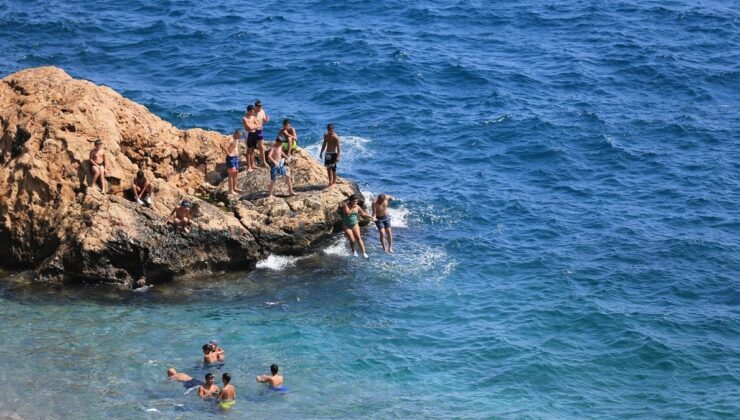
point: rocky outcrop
(52, 221)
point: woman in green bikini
(350, 213)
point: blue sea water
(567, 230)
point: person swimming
(220, 353)
(209, 389)
(209, 356)
(187, 381)
(350, 214)
(227, 396)
(275, 380)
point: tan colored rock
(68, 232)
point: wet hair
(250, 108)
(209, 375)
(140, 174)
(286, 122)
(274, 369)
(226, 378)
(330, 126)
(353, 197)
(206, 348)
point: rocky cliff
(51, 221)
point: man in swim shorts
(180, 216)
(275, 380)
(232, 160)
(209, 389)
(333, 153)
(290, 138)
(278, 169)
(250, 126)
(262, 118)
(227, 396)
(142, 189)
(209, 356)
(383, 220)
(98, 162)
(187, 380)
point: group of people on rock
(279, 153)
(225, 396)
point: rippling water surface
(568, 229)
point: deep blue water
(568, 230)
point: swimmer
(187, 380)
(232, 160)
(290, 139)
(262, 119)
(209, 389)
(209, 356)
(275, 380)
(250, 126)
(180, 216)
(220, 353)
(227, 396)
(333, 153)
(350, 213)
(383, 220)
(278, 169)
(98, 163)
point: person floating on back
(98, 162)
(383, 220)
(350, 214)
(333, 153)
(227, 396)
(275, 380)
(209, 356)
(187, 380)
(278, 169)
(290, 138)
(250, 126)
(220, 353)
(180, 216)
(232, 160)
(209, 389)
(262, 118)
(142, 189)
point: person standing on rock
(250, 126)
(350, 214)
(262, 119)
(142, 189)
(276, 157)
(180, 216)
(383, 220)
(98, 162)
(232, 160)
(333, 153)
(290, 138)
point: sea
(567, 213)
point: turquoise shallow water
(567, 233)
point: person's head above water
(274, 369)
(171, 372)
(209, 378)
(206, 348)
(226, 378)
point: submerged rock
(51, 221)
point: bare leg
(270, 188)
(382, 239)
(96, 174)
(289, 181)
(358, 235)
(261, 145)
(348, 233)
(328, 174)
(186, 224)
(250, 160)
(389, 234)
(102, 179)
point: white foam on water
(339, 247)
(152, 410)
(278, 262)
(352, 148)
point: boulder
(69, 232)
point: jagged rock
(68, 232)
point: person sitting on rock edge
(98, 162)
(290, 139)
(275, 380)
(350, 214)
(180, 216)
(232, 160)
(142, 189)
(276, 158)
